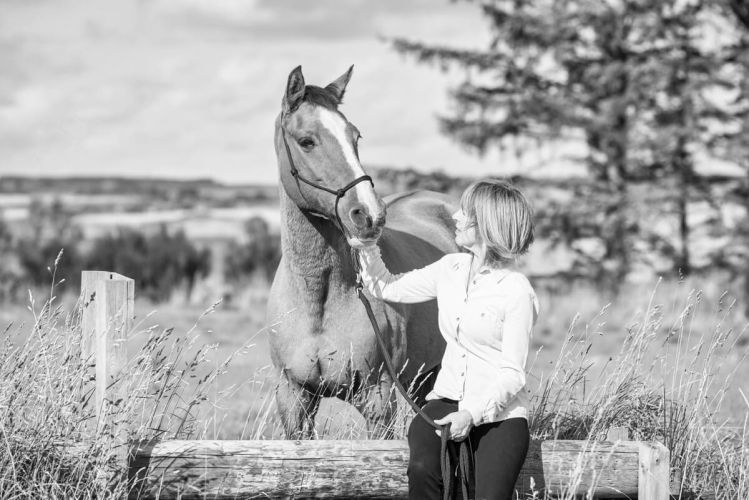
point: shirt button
(462, 373)
(457, 318)
(463, 355)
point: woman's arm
(418, 285)
(520, 315)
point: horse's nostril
(360, 217)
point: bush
(261, 254)
(158, 263)
(36, 259)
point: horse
(322, 344)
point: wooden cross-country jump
(615, 468)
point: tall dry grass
(669, 381)
(668, 376)
(51, 443)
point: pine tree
(687, 114)
(736, 141)
(625, 75)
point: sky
(191, 88)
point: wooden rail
(377, 469)
(331, 469)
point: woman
(486, 313)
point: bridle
(339, 193)
(445, 459)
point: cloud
(191, 87)
(268, 21)
(271, 20)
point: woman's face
(464, 236)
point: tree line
(648, 87)
(53, 252)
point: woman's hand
(358, 244)
(460, 422)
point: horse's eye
(306, 143)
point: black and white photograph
(422, 249)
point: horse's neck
(313, 248)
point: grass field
(581, 315)
(665, 359)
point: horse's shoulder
(420, 210)
(419, 229)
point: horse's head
(319, 159)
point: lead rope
(446, 466)
(464, 459)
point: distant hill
(387, 180)
(177, 191)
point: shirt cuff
(369, 249)
(369, 254)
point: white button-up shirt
(486, 323)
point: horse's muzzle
(367, 226)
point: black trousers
(498, 451)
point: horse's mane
(321, 97)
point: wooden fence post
(89, 279)
(654, 472)
(108, 311)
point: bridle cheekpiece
(339, 193)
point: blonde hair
(503, 219)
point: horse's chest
(328, 340)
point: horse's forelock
(321, 97)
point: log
(359, 469)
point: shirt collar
(483, 270)
(466, 261)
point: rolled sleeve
(418, 285)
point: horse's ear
(338, 87)
(294, 90)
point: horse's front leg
(298, 408)
(377, 404)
